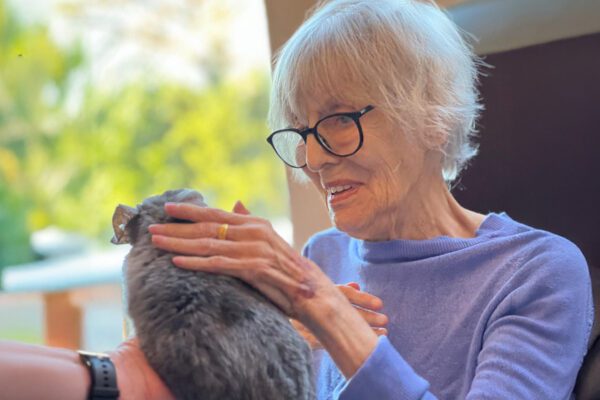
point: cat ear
(123, 214)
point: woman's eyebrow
(333, 108)
(330, 108)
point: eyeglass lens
(338, 133)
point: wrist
(123, 371)
(136, 379)
(342, 331)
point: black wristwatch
(103, 374)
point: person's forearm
(343, 332)
(38, 372)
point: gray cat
(209, 337)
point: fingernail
(240, 208)
(154, 228)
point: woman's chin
(350, 224)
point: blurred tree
(146, 139)
(70, 169)
(33, 80)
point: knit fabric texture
(503, 315)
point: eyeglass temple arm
(366, 109)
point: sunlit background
(109, 101)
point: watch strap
(103, 374)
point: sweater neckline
(400, 250)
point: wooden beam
(307, 208)
(63, 321)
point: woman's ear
(121, 218)
(435, 139)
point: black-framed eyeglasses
(339, 134)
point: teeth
(337, 189)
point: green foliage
(145, 139)
(30, 66)
(121, 145)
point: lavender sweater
(504, 315)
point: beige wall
(308, 211)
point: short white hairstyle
(406, 57)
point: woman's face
(379, 184)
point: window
(108, 102)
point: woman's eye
(344, 119)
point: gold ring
(222, 232)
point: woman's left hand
(251, 251)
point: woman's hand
(135, 378)
(251, 251)
(366, 304)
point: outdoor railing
(81, 297)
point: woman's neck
(429, 210)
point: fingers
(239, 208)
(243, 241)
(313, 342)
(195, 213)
(251, 251)
(380, 331)
(373, 319)
(275, 284)
(205, 247)
(210, 219)
(366, 304)
(189, 231)
(199, 230)
(210, 230)
(253, 271)
(361, 299)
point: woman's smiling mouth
(339, 192)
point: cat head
(131, 223)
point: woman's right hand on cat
(248, 248)
(366, 304)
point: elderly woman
(410, 295)
(377, 102)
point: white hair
(406, 57)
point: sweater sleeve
(384, 375)
(537, 336)
(533, 346)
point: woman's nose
(316, 156)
